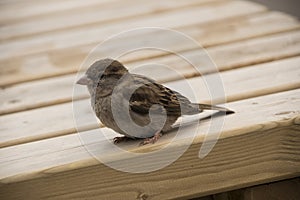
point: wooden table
(43, 43)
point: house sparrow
(146, 101)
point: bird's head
(103, 74)
(102, 69)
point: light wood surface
(242, 151)
(30, 9)
(172, 19)
(225, 57)
(254, 51)
(94, 14)
(68, 60)
(280, 76)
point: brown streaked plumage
(106, 77)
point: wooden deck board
(42, 44)
(28, 10)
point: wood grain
(65, 61)
(31, 9)
(45, 153)
(225, 56)
(253, 81)
(95, 14)
(98, 33)
(262, 147)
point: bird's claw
(151, 140)
(117, 140)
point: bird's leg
(117, 140)
(151, 140)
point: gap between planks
(253, 81)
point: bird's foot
(117, 140)
(151, 140)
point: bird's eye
(114, 69)
(101, 75)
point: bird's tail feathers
(212, 107)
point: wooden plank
(37, 125)
(91, 15)
(97, 33)
(37, 94)
(29, 9)
(262, 147)
(253, 81)
(67, 60)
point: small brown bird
(134, 105)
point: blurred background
(289, 6)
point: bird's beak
(83, 80)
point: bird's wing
(150, 93)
